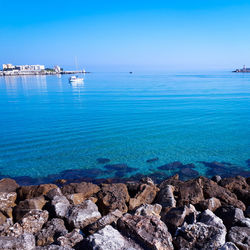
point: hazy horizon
(111, 36)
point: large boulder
(7, 201)
(8, 185)
(230, 215)
(165, 197)
(87, 189)
(112, 197)
(240, 236)
(211, 204)
(33, 221)
(175, 217)
(60, 206)
(27, 205)
(108, 219)
(149, 231)
(199, 236)
(28, 192)
(23, 242)
(52, 229)
(70, 239)
(110, 238)
(81, 215)
(146, 194)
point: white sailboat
(76, 79)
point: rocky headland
(199, 213)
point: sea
(124, 126)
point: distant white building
(30, 67)
(8, 66)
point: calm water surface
(48, 126)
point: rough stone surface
(70, 239)
(216, 178)
(33, 221)
(102, 222)
(149, 231)
(23, 242)
(199, 236)
(51, 231)
(146, 195)
(81, 215)
(54, 247)
(7, 201)
(211, 204)
(230, 215)
(112, 197)
(229, 246)
(110, 238)
(27, 205)
(88, 189)
(77, 198)
(60, 205)
(28, 192)
(54, 192)
(240, 236)
(247, 212)
(8, 185)
(166, 196)
(149, 210)
(175, 217)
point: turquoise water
(49, 126)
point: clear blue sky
(126, 35)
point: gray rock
(33, 221)
(109, 238)
(54, 247)
(70, 239)
(199, 236)
(7, 201)
(149, 231)
(81, 215)
(230, 215)
(209, 218)
(104, 221)
(240, 236)
(23, 242)
(166, 196)
(54, 192)
(150, 210)
(216, 178)
(8, 229)
(229, 246)
(243, 223)
(51, 231)
(60, 205)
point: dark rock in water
(152, 160)
(149, 231)
(188, 173)
(240, 236)
(248, 162)
(171, 166)
(158, 176)
(102, 160)
(119, 167)
(8, 185)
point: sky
(126, 35)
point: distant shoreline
(2, 73)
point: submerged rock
(152, 160)
(171, 166)
(102, 160)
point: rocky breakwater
(200, 213)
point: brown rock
(70, 239)
(77, 198)
(8, 185)
(2, 218)
(86, 188)
(28, 192)
(112, 197)
(7, 201)
(145, 195)
(211, 204)
(240, 236)
(149, 231)
(27, 205)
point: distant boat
(76, 79)
(130, 72)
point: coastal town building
(243, 70)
